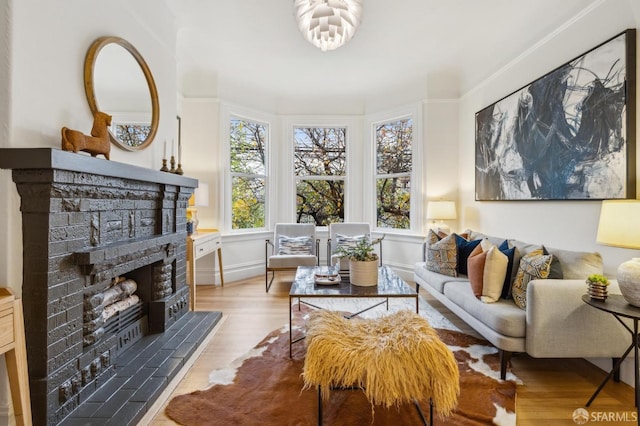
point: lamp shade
(200, 197)
(328, 24)
(619, 224)
(441, 210)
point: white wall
(441, 160)
(48, 43)
(563, 224)
(42, 49)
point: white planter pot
(363, 273)
(629, 281)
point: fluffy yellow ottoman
(394, 359)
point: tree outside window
(393, 173)
(248, 142)
(320, 169)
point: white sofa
(556, 322)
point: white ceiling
(417, 48)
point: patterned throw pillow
(347, 241)
(442, 254)
(534, 265)
(295, 245)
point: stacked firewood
(98, 308)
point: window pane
(132, 134)
(248, 201)
(393, 146)
(247, 147)
(394, 202)
(319, 151)
(320, 201)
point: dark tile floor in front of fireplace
(143, 373)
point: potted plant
(363, 261)
(597, 286)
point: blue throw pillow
(465, 248)
(510, 253)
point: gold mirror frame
(89, 64)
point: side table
(200, 244)
(13, 346)
(617, 306)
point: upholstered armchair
(347, 234)
(293, 245)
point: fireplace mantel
(51, 158)
(86, 222)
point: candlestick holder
(179, 170)
(173, 165)
(164, 167)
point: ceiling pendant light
(328, 24)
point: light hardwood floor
(552, 388)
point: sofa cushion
(434, 279)
(503, 316)
(577, 265)
(291, 261)
(442, 254)
(474, 235)
(533, 265)
(465, 247)
(524, 248)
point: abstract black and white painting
(569, 135)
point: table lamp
(619, 226)
(440, 211)
(200, 198)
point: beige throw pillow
(495, 270)
(487, 268)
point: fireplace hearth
(88, 224)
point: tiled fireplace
(104, 265)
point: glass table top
(389, 285)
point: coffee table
(304, 286)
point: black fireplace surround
(86, 223)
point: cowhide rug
(264, 387)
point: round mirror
(116, 75)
